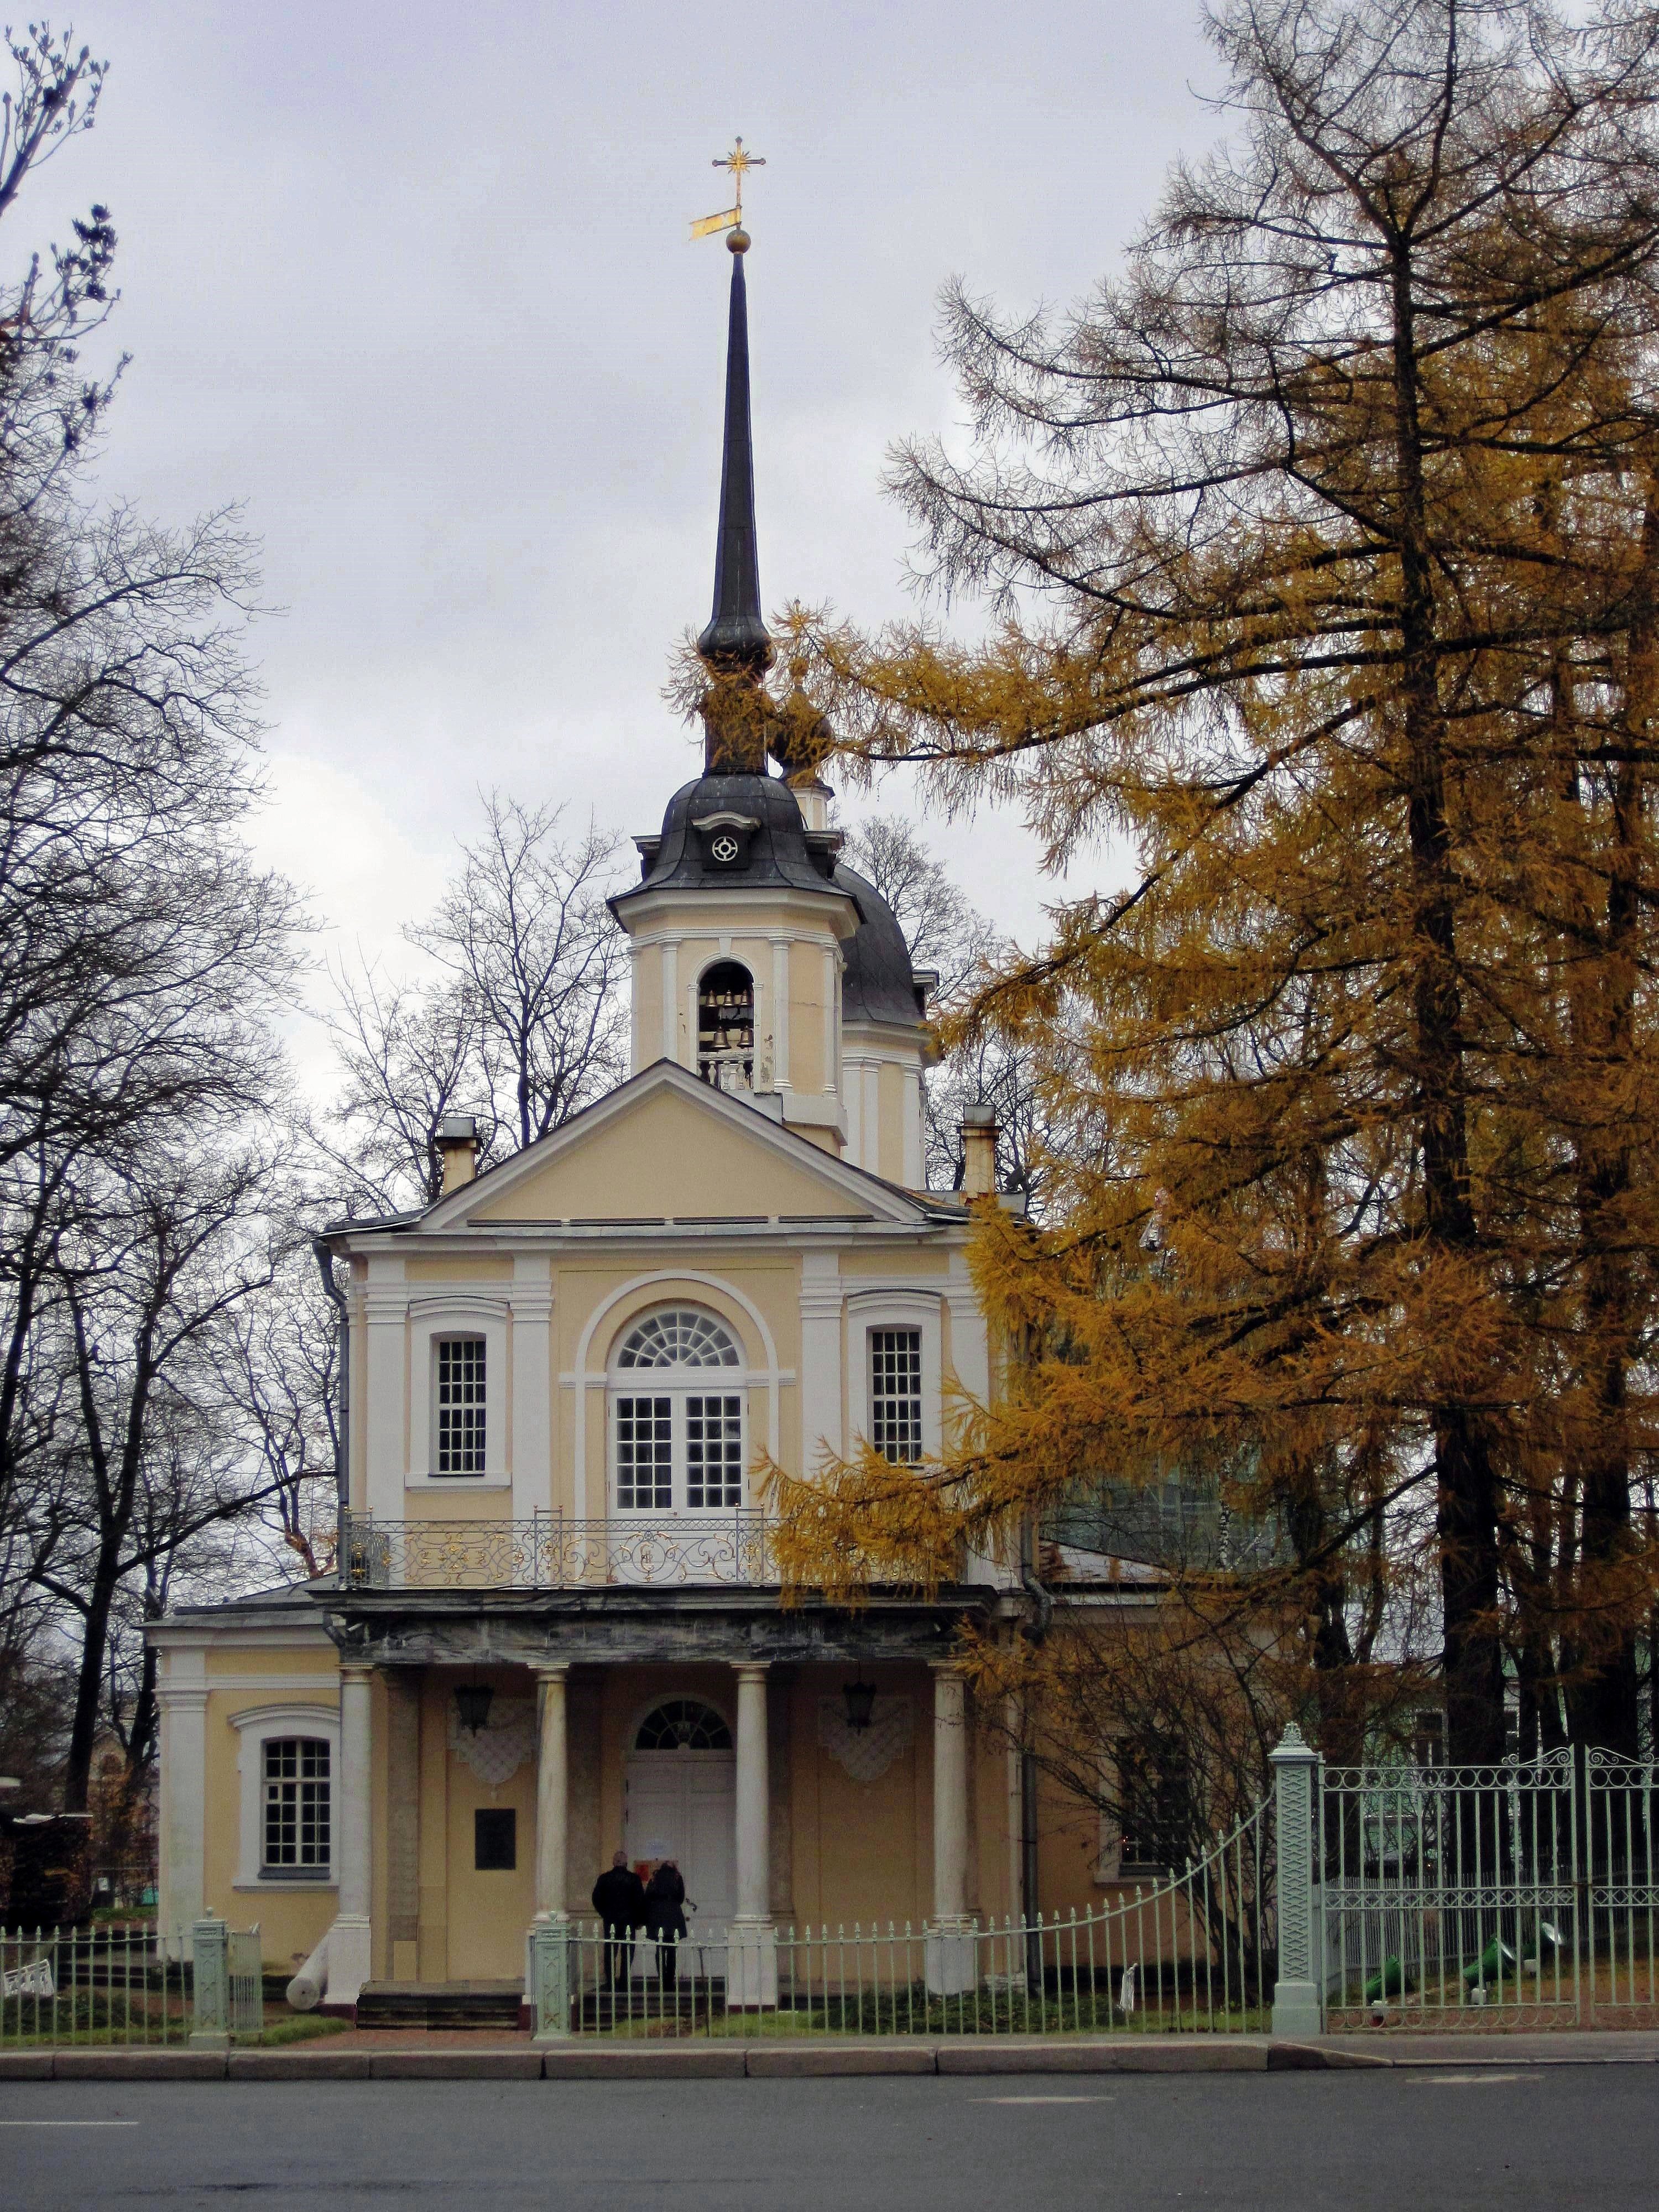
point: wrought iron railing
(555, 1550)
(1190, 1954)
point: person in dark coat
(619, 1900)
(665, 1918)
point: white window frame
(678, 1384)
(431, 1321)
(256, 1727)
(869, 1310)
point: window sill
(457, 1482)
(279, 1885)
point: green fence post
(1299, 1992)
(550, 1946)
(210, 1943)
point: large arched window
(678, 1436)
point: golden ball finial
(738, 240)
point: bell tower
(753, 947)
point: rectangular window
(645, 1455)
(461, 1404)
(896, 1393)
(495, 1839)
(295, 1840)
(714, 1453)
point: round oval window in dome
(684, 1724)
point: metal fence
(1511, 1896)
(130, 1983)
(114, 1983)
(1450, 1895)
(1620, 1918)
(1191, 1955)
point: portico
(821, 1821)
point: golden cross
(738, 162)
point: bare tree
(523, 1026)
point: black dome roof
(878, 984)
(780, 850)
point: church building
(557, 1630)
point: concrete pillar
(951, 1959)
(552, 1791)
(752, 1961)
(349, 1942)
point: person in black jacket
(619, 1900)
(665, 1918)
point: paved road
(1569, 2135)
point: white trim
(256, 1727)
(900, 1308)
(449, 1314)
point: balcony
(551, 1551)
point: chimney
(458, 1146)
(979, 1150)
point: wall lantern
(860, 1698)
(472, 1705)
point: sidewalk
(416, 2054)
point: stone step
(439, 2004)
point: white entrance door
(682, 1805)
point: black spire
(736, 638)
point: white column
(183, 1793)
(533, 1387)
(820, 1356)
(350, 1947)
(950, 1962)
(752, 1967)
(552, 1791)
(386, 1311)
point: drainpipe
(1037, 1629)
(337, 1298)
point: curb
(765, 2062)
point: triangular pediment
(664, 1146)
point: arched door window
(726, 1026)
(678, 1434)
(684, 1724)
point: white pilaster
(820, 1356)
(781, 1013)
(914, 1175)
(182, 1696)
(671, 1002)
(552, 1791)
(949, 1948)
(532, 1386)
(870, 1117)
(752, 1957)
(385, 1313)
(349, 1944)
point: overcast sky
(412, 284)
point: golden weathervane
(738, 162)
